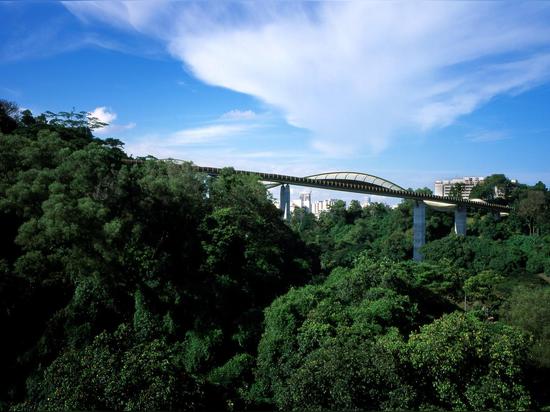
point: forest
(148, 286)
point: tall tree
(532, 208)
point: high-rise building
(304, 202)
(323, 206)
(443, 187)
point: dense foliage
(357, 342)
(132, 284)
(131, 277)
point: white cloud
(487, 136)
(202, 152)
(356, 74)
(206, 134)
(106, 115)
(103, 114)
(237, 114)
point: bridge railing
(356, 187)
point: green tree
(483, 289)
(117, 372)
(456, 190)
(9, 113)
(349, 373)
(95, 240)
(493, 187)
(529, 309)
(464, 363)
(477, 254)
(346, 314)
(532, 209)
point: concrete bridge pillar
(460, 220)
(284, 201)
(287, 204)
(419, 228)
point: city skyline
(227, 86)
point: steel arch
(354, 177)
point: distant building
(304, 202)
(323, 206)
(366, 202)
(443, 187)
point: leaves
(144, 285)
(471, 364)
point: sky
(409, 91)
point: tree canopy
(134, 283)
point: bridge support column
(460, 220)
(419, 228)
(287, 204)
(284, 201)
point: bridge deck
(358, 187)
(353, 186)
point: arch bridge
(374, 185)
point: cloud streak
(356, 74)
(181, 143)
(237, 114)
(487, 136)
(207, 134)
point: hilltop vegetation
(145, 285)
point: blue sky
(410, 92)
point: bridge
(370, 184)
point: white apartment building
(322, 206)
(304, 202)
(443, 187)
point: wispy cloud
(237, 114)
(37, 30)
(487, 136)
(42, 41)
(207, 134)
(356, 74)
(106, 115)
(211, 141)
